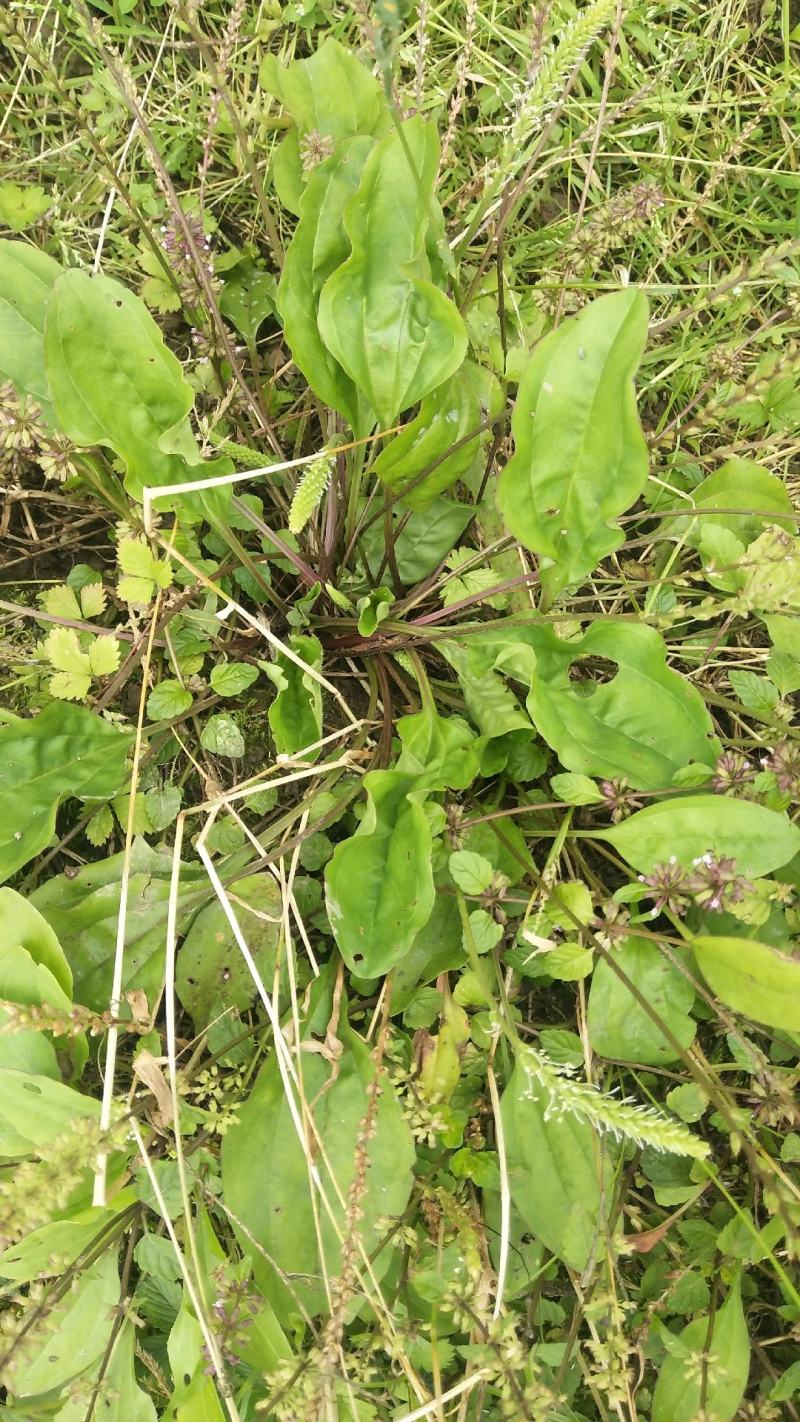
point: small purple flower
(669, 887)
(716, 882)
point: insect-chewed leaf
(269, 1189)
(580, 457)
(72, 1336)
(642, 725)
(83, 912)
(212, 974)
(395, 334)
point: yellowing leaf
(104, 656)
(138, 591)
(63, 651)
(61, 601)
(93, 599)
(69, 686)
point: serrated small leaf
(575, 789)
(104, 656)
(69, 686)
(471, 872)
(755, 692)
(93, 599)
(61, 601)
(100, 826)
(160, 295)
(163, 805)
(63, 651)
(232, 678)
(168, 699)
(221, 736)
(137, 591)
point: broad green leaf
(51, 1248)
(642, 725)
(442, 751)
(123, 1400)
(580, 457)
(211, 975)
(680, 1382)
(35, 1109)
(784, 634)
(437, 948)
(72, 1336)
(332, 97)
(195, 1396)
(422, 540)
(26, 280)
(787, 1384)
(331, 93)
(22, 925)
(34, 972)
(83, 911)
(162, 805)
(754, 496)
(575, 789)
(758, 839)
(619, 1027)
(221, 736)
(319, 246)
(168, 699)
(295, 714)
(753, 978)
(446, 416)
(379, 884)
(395, 334)
(232, 678)
(63, 751)
(524, 1254)
(557, 1171)
(113, 381)
(248, 298)
(269, 1191)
